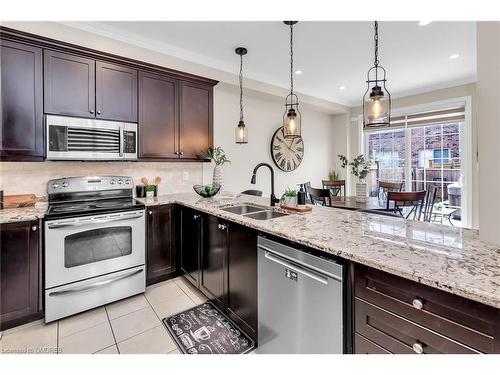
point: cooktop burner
(92, 207)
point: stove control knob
(65, 184)
(120, 182)
(55, 185)
(112, 182)
(127, 182)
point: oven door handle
(96, 285)
(92, 222)
(120, 148)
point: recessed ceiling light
(342, 88)
(423, 23)
(298, 72)
(454, 56)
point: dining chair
(336, 187)
(385, 186)
(320, 196)
(413, 200)
(307, 188)
(430, 199)
(257, 193)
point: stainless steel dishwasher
(300, 301)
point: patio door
(421, 150)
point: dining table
(350, 203)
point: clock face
(287, 153)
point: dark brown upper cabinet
(69, 85)
(21, 99)
(116, 92)
(20, 284)
(196, 119)
(158, 116)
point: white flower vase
(290, 201)
(218, 178)
(361, 192)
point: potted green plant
(218, 155)
(333, 175)
(289, 197)
(150, 190)
(360, 167)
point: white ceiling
(330, 54)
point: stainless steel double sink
(254, 212)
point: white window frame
(466, 158)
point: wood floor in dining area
(130, 326)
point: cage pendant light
(377, 99)
(292, 116)
(241, 132)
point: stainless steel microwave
(71, 138)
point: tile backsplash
(26, 178)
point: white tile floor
(129, 326)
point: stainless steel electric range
(94, 244)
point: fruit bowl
(206, 191)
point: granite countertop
(10, 215)
(451, 259)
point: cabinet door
(242, 275)
(69, 85)
(21, 100)
(191, 244)
(160, 253)
(19, 273)
(196, 128)
(214, 260)
(116, 92)
(158, 116)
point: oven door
(85, 247)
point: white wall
(488, 125)
(263, 115)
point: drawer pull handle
(418, 303)
(418, 348)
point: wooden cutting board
(21, 200)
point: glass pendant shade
(241, 133)
(376, 106)
(292, 122)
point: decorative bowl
(206, 191)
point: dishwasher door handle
(295, 268)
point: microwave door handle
(92, 222)
(121, 142)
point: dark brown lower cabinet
(20, 273)
(402, 316)
(160, 243)
(220, 259)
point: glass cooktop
(84, 208)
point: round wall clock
(287, 153)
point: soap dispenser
(301, 197)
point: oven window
(96, 245)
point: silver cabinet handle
(98, 112)
(92, 222)
(34, 228)
(418, 303)
(181, 153)
(418, 348)
(98, 284)
(293, 267)
(195, 217)
(92, 111)
(150, 212)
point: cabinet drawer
(399, 335)
(471, 323)
(364, 346)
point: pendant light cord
(241, 87)
(376, 43)
(291, 59)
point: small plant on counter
(218, 155)
(360, 166)
(333, 175)
(288, 196)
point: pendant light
(241, 133)
(292, 117)
(377, 99)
